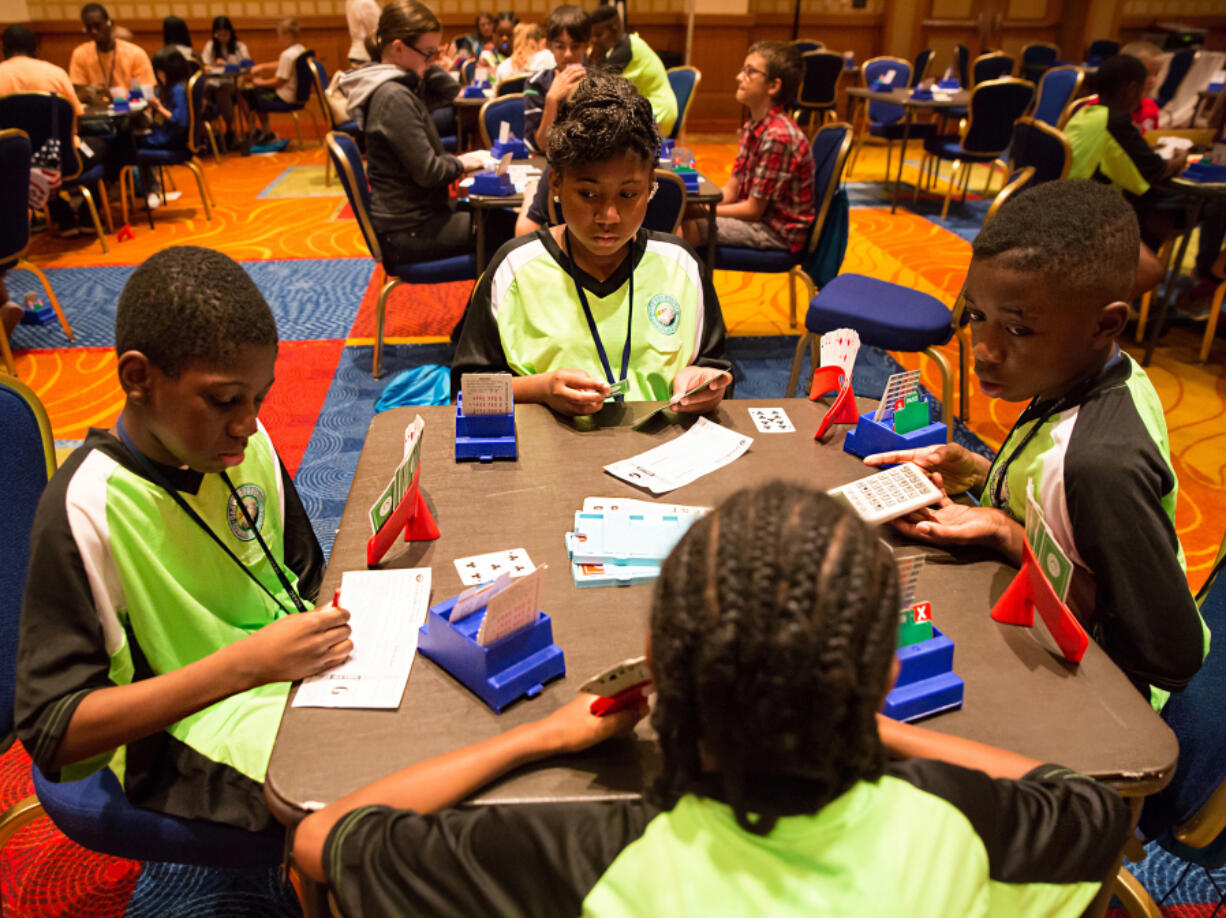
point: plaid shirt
(773, 164)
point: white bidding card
(486, 393)
(897, 388)
(512, 609)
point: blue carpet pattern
(180, 891)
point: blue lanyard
(591, 321)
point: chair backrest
(829, 149)
(874, 69)
(991, 66)
(1016, 182)
(347, 160)
(43, 115)
(468, 70)
(684, 82)
(805, 45)
(305, 82)
(319, 81)
(195, 110)
(14, 192)
(1041, 147)
(993, 108)
(1100, 49)
(667, 207)
(1057, 89)
(28, 456)
(509, 108)
(923, 61)
(1181, 63)
(1039, 54)
(514, 83)
(962, 65)
(820, 82)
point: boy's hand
(573, 727)
(295, 647)
(957, 524)
(952, 467)
(708, 398)
(573, 392)
(564, 82)
(473, 161)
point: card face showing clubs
(514, 608)
(771, 420)
(477, 569)
(486, 393)
(618, 678)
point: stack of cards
(1057, 567)
(897, 388)
(617, 542)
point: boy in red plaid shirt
(768, 202)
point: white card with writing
(512, 609)
(478, 597)
(634, 505)
(702, 449)
(486, 393)
(481, 568)
(771, 420)
(909, 567)
(897, 388)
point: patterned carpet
(296, 238)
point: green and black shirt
(1101, 470)
(123, 585)
(927, 839)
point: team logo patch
(252, 497)
(665, 313)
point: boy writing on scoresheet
(771, 645)
(573, 309)
(1045, 297)
(166, 558)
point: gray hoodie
(358, 84)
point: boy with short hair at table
(768, 202)
(577, 308)
(166, 557)
(771, 644)
(567, 32)
(276, 79)
(1045, 298)
(633, 58)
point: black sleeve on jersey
(479, 348)
(510, 861)
(618, 59)
(1121, 128)
(534, 104)
(303, 555)
(1144, 615)
(1051, 826)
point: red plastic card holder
(1031, 590)
(412, 515)
(843, 411)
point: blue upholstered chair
(884, 119)
(1188, 816)
(805, 45)
(1037, 57)
(962, 65)
(1181, 63)
(468, 70)
(205, 112)
(684, 81)
(1057, 90)
(495, 112)
(319, 74)
(349, 169)
(829, 150)
(514, 83)
(15, 154)
(991, 66)
(923, 62)
(1041, 147)
(93, 812)
(1100, 49)
(162, 159)
(819, 85)
(43, 115)
(667, 205)
(994, 106)
(303, 87)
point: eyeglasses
(748, 71)
(431, 55)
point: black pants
(446, 236)
(1164, 210)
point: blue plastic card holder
(473, 91)
(491, 183)
(926, 682)
(871, 436)
(953, 85)
(921, 95)
(484, 437)
(516, 147)
(517, 666)
(1205, 172)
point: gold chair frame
(683, 115)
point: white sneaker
(172, 196)
(154, 201)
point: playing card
(620, 387)
(477, 597)
(480, 568)
(771, 420)
(839, 348)
(391, 496)
(514, 608)
(1047, 551)
(897, 388)
(618, 678)
(909, 567)
(486, 393)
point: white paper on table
(385, 610)
(634, 505)
(699, 451)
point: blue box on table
(518, 665)
(871, 436)
(513, 145)
(491, 183)
(484, 437)
(689, 177)
(926, 682)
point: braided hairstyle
(772, 633)
(604, 118)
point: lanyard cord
(591, 321)
(157, 478)
(108, 77)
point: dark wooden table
(1019, 693)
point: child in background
(1045, 298)
(768, 202)
(771, 644)
(573, 309)
(567, 30)
(482, 38)
(504, 37)
(221, 50)
(171, 115)
(168, 556)
(528, 54)
(175, 34)
(633, 58)
(277, 79)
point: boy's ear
(1111, 321)
(772, 89)
(135, 376)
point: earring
(655, 186)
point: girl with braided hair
(772, 646)
(574, 309)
